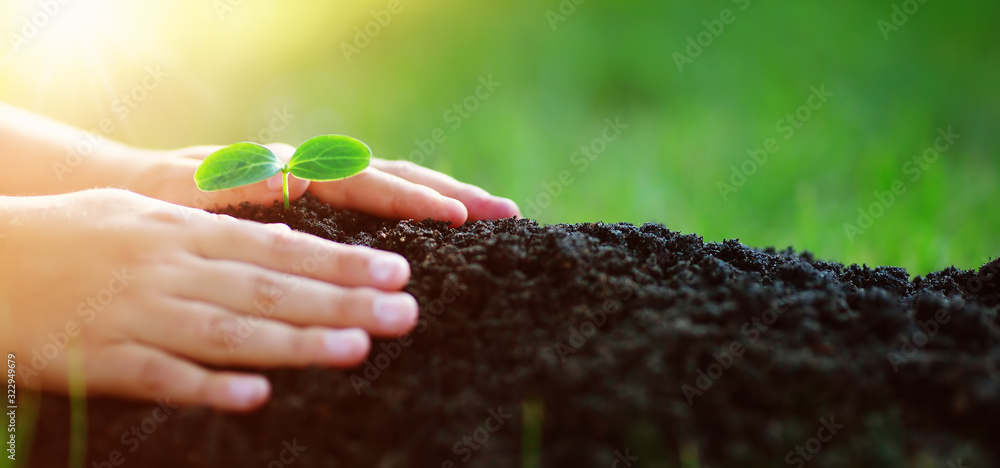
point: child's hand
(392, 189)
(150, 289)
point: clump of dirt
(579, 345)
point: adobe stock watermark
(917, 340)
(455, 116)
(364, 35)
(580, 334)
(976, 283)
(697, 44)
(373, 366)
(807, 451)
(900, 15)
(751, 331)
(133, 438)
(586, 155)
(268, 296)
(291, 452)
(277, 121)
(623, 460)
(87, 311)
(32, 25)
(474, 442)
(562, 12)
(914, 168)
(224, 7)
(786, 127)
(122, 107)
(957, 463)
(11, 406)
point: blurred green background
(232, 65)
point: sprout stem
(284, 187)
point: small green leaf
(236, 165)
(329, 157)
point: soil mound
(579, 345)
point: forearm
(42, 157)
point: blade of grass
(689, 455)
(533, 414)
(78, 407)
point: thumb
(262, 193)
(265, 192)
(172, 180)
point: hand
(147, 290)
(391, 189)
(401, 189)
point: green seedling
(319, 159)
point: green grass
(533, 414)
(615, 59)
(686, 129)
(78, 406)
(609, 59)
(27, 420)
(28, 411)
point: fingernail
(396, 311)
(274, 182)
(510, 207)
(385, 268)
(346, 344)
(247, 390)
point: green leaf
(236, 165)
(329, 157)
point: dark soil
(608, 341)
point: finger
(386, 195)
(138, 372)
(278, 248)
(211, 334)
(480, 204)
(256, 291)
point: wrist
(108, 165)
(127, 167)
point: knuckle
(404, 166)
(339, 309)
(219, 331)
(109, 193)
(201, 388)
(281, 241)
(171, 214)
(338, 261)
(327, 250)
(357, 305)
(346, 254)
(222, 218)
(301, 343)
(400, 205)
(350, 307)
(263, 284)
(267, 291)
(154, 375)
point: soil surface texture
(597, 345)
